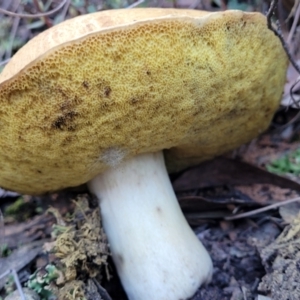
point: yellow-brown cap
(97, 89)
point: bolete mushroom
(97, 98)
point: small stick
(279, 35)
(51, 12)
(260, 210)
(16, 279)
(135, 4)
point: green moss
(15, 208)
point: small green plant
(40, 282)
(287, 164)
(4, 250)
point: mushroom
(98, 98)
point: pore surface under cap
(95, 90)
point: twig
(260, 210)
(4, 62)
(65, 10)
(48, 13)
(18, 284)
(291, 92)
(135, 4)
(12, 36)
(277, 32)
(1, 228)
(6, 5)
(40, 9)
(292, 12)
(295, 22)
(279, 35)
(16, 279)
(296, 103)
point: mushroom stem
(156, 253)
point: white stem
(156, 253)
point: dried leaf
(224, 171)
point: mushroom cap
(94, 90)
